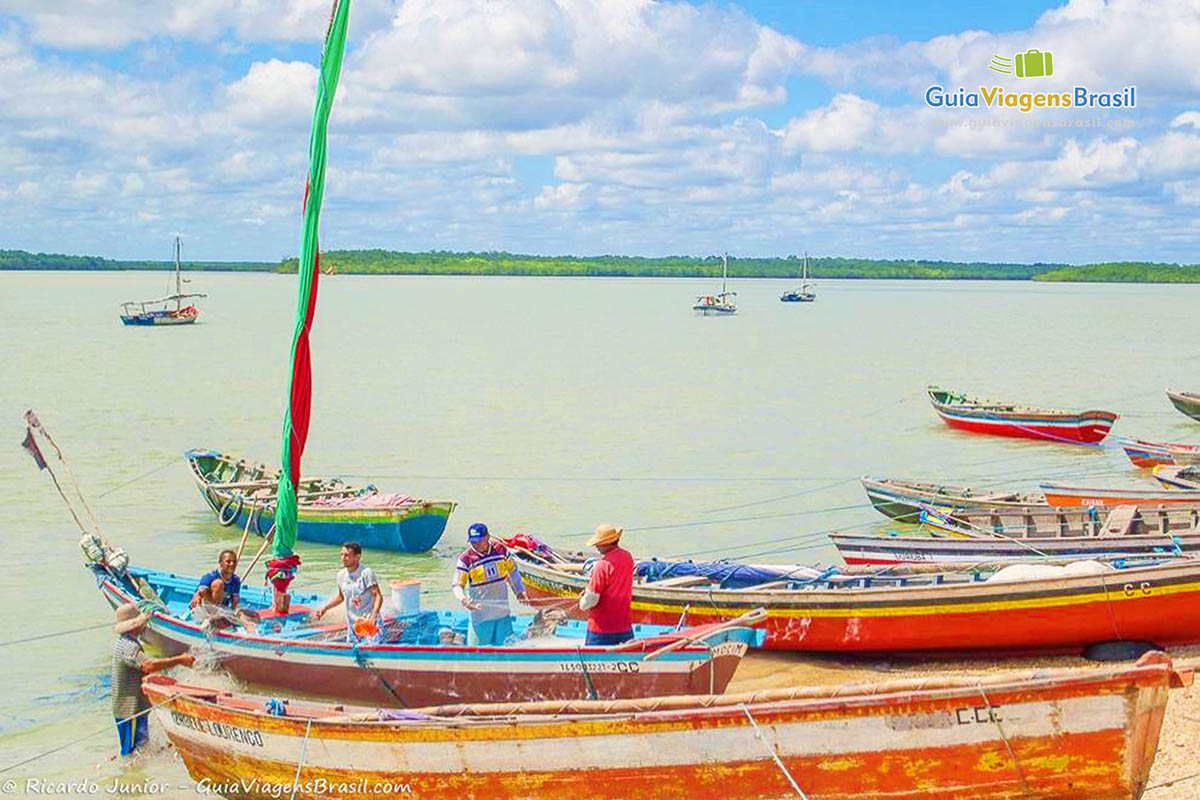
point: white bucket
(406, 597)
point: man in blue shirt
(221, 588)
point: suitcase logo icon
(1032, 63)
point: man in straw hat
(129, 664)
(609, 592)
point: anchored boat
(160, 312)
(1035, 534)
(904, 500)
(243, 493)
(805, 293)
(1144, 454)
(1187, 402)
(718, 305)
(1048, 735)
(984, 610)
(1058, 494)
(411, 665)
(1005, 419)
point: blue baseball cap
(477, 532)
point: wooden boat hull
(1158, 604)
(422, 675)
(1178, 476)
(903, 500)
(1073, 496)
(1147, 455)
(1070, 427)
(186, 316)
(927, 550)
(411, 528)
(1186, 402)
(1054, 736)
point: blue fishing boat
(804, 294)
(242, 494)
(419, 657)
(159, 312)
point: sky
(592, 127)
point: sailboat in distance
(718, 305)
(160, 311)
(805, 294)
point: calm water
(540, 405)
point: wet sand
(1176, 771)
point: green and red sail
(282, 568)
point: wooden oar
(750, 617)
(266, 541)
(246, 530)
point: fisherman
(482, 577)
(218, 596)
(129, 664)
(358, 587)
(609, 593)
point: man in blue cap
(481, 580)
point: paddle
(749, 618)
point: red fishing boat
(1145, 455)
(1005, 419)
(835, 609)
(1049, 735)
(1059, 495)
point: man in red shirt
(609, 591)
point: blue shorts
(604, 639)
(491, 633)
(133, 733)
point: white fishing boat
(718, 305)
(160, 311)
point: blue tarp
(729, 575)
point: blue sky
(586, 127)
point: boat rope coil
(225, 518)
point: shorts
(133, 733)
(597, 639)
(491, 632)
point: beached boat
(242, 493)
(1048, 735)
(805, 293)
(1178, 476)
(1186, 402)
(1005, 419)
(1035, 534)
(718, 305)
(1145, 455)
(890, 610)
(160, 311)
(903, 500)
(1058, 494)
(411, 665)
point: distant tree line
(19, 259)
(442, 262)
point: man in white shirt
(358, 588)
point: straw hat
(129, 619)
(605, 534)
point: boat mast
(724, 273)
(178, 280)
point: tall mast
(178, 280)
(806, 267)
(724, 271)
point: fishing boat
(1178, 476)
(1047, 735)
(243, 494)
(1035, 534)
(978, 415)
(411, 664)
(836, 609)
(903, 500)
(1187, 402)
(160, 311)
(718, 305)
(1059, 495)
(805, 293)
(1145, 455)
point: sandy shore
(1176, 771)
